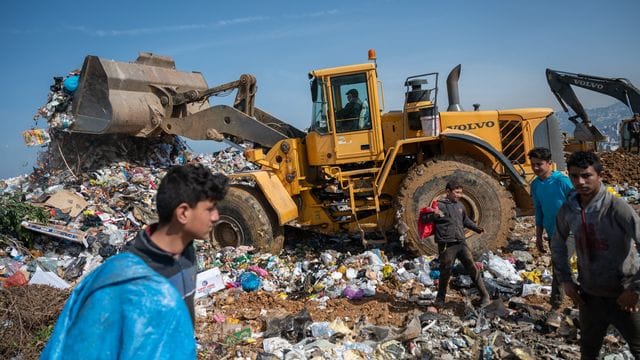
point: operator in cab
(350, 113)
(633, 127)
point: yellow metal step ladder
(366, 228)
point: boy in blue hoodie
(136, 305)
(607, 236)
(549, 191)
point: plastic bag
(71, 83)
(250, 281)
(17, 279)
(291, 327)
(352, 292)
(535, 289)
(462, 281)
(533, 276)
(434, 274)
(426, 227)
(502, 269)
(423, 272)
(502, 289)
(276, 345)
(321, 329)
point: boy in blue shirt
(549, 191)
(136, 305)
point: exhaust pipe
(452, 89)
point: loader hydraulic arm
(234, 124)
(560, 83)
(245, 97)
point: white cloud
(312, 15)
(164, 29)
(268, 35)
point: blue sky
(503, 46)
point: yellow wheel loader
(359, 170)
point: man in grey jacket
(607, 232)
(450, 221)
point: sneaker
(554, 319)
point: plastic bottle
(487, 353)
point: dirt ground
(621, 167)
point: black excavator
(622, 89)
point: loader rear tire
(486, 201)
(246, 218)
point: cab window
(351, 103)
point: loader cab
(345, 125)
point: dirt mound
(621, 167)
(382, 309)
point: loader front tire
(486, 201)
(246, 218)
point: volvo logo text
(588, 84)
(473, 126)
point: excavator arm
(560, 83)
(149, 96)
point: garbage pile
(315, 301)
(73, 220)
(228, 161)
(88, 195)
(373, 304)
(58, 108)
(83, 153)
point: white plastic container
(430, 125)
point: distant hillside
(604, 118)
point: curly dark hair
(188, 184)
(584, 159)
(541, 153)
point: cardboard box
(208, 282)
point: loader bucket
(588, 132)
(125, 98)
